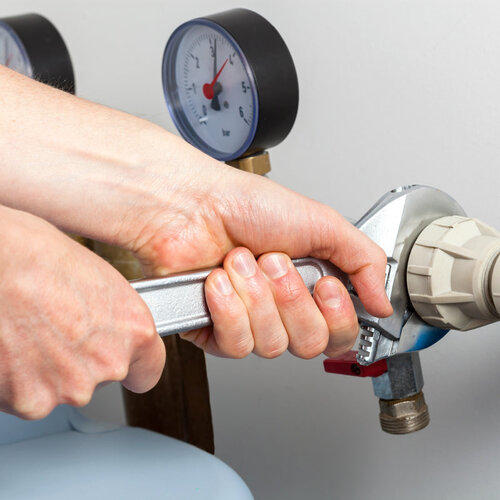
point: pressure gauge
(230, 84)
(31, 45)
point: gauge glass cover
(12, 51)
(210, 89)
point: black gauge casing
(272, 77)
(273, 70)
(46, 50)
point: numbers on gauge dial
(214, 89)
(12, 54)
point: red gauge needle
(8, 61)
(208, 88)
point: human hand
(68, 322)
(113, 177)
(218, 214)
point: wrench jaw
(394, 223)
(374, 346)
(416, 335)
(387, 346)
(379, 337)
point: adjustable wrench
(177, 302)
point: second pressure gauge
(230, 84)
(30, 44)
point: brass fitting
(255, 164)
(402, 416)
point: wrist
(86, 166)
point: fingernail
(275, 266)
(223, 284)
(244, 264)
(330, 294)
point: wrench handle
(178, 303)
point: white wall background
(392, 92)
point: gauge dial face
(210, 90)
(12, 52)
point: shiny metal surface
(402, 379)
(394, 223)
(178, 304)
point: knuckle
(38, 412)
(33, 408)
(234, 336)
(117, 371)
(310, 346)
(232, 314)
(290, 294)
(145, 336)
(257, 295)
(139, 321)
(241, 349)
(77, 383)
(78, 391)
(273, 347)
(110, 367)
(79, 397)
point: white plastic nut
(453, 273)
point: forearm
(76, 163)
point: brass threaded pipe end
(403, 416)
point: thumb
(365, 263)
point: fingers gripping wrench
(178, 304)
